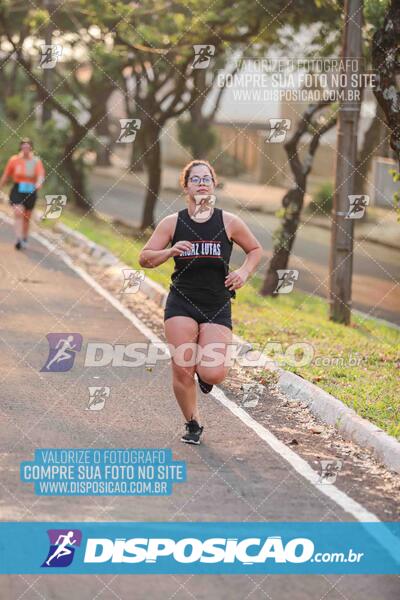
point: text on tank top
(199, 274)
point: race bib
(26, 187)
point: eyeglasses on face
(207, 179)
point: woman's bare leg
(25, 222)
(18, 219)
(211, 333)
(183, 330)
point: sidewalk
(384, 229)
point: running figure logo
(357, 207)
(204, 207)
(97, 397)
(329, 470)
(62, 547)
(54, 207)
(62, 350)
(132, 281)
(203, 54)
(252, 393)
(278, 129)
(49, 55)
(287, 279)
(129, 129)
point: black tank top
(200, 275)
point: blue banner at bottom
(199, 548)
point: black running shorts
(178, 306)
(28, 200)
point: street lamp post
(341, 257)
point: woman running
(198, 307)
(27, 172)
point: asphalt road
(233, 476)
(376, 269)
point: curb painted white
(350, 425)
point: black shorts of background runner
(28, 200)
(178, 306)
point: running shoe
(24, 242)
(193, 433)
(18, 245)
(205, 387)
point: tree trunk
(293, 200)
(372, 140)
(78, 184)
(136, 162)
(385, 63)
(153, 166)
(284, 237)
(75, 171)
(104, 140)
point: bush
(199, 139)
(322, 202)
(228, 165)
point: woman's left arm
(242, 236)
(40, 174)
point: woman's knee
(212, 375)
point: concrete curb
(350, 425)
(323, 405)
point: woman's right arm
(155, 251)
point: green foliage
(17, 108)
(37, 18)
(322, 202)
(227, 165)
(50, 147)
(374, 12)
(396, 197)
(199, 139)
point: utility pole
(341, 257)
